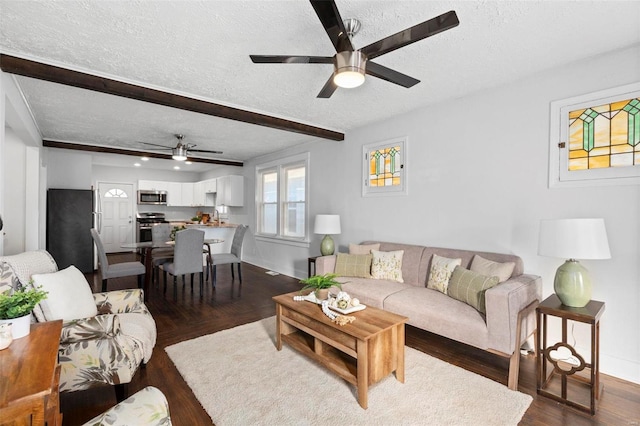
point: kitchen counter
(190, 224)
(224, 231)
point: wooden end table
(29, 377)
(362, 352)
(564, 369)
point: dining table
(146, 249)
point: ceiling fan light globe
(348, 79)
(350, 69)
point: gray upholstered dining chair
(116, 270)
(233, 258)
(187, 258)
(160, 234)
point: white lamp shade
(573, 239)
(327, 224)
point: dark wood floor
(187, 316)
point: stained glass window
(605, 135)
(384, 167)
(595, 138)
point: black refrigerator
(69, 223)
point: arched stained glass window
(115, 193)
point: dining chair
(116, 270)
(232, 258)
(187, 258)
(160, 234)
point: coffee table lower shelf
(334, 360)
(362, 353)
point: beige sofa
(510, 305)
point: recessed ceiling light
(136, 164)
(188, 162)
(176, 167)
(144, 158)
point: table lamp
(573, 239)
(328, 224)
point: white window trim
(403, 189)
(558, 132)
(279, 165)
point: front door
(115, 217)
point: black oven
(145, 222)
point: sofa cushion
(371, 292)
(440, 314)
(487, 267)
(387, 265)
(69, 295)
(440, 273)
(413, 271)
(363, 248)
(353, 265)
(469, 287)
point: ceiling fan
(350, 65)
(181, 150)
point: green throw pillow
(469, 287)
(353, 265)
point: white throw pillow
(492, 269)
(440, 272)
(387, 265)
(69, 295)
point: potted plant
(16, 307)
(320, 284)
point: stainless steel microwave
(152, 197)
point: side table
(565, 367)
(29, 377)
(312, 260)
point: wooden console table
(565, 369)
(29, 378)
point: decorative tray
(348, 310)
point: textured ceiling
(201, 49)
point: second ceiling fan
(351, 65)
(181, 150)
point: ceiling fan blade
(275, 59)
(155, 144)
(411, 35)
(390, 75)
(204, 150)
(330, 18)
(328, 89)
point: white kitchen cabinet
(210, 185)
(198, 194)
(153, 185)
(174, 194)
(187, 194)
(230, 191)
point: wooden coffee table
(362, 352)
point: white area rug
(241, 379)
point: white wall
(14, 160)
(20, 200)
(477, 171)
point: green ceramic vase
(327, 247)
(573, 284)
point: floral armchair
(105, 349)
(146, 407)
